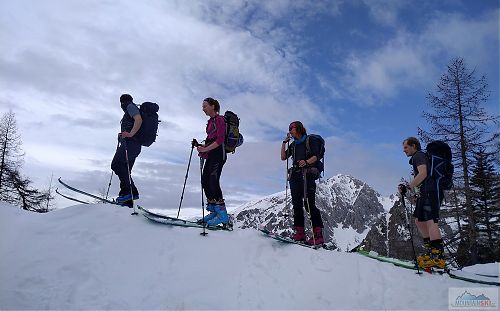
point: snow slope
(100, 257)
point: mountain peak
(348, 205)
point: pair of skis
(180, 222)
(93, 196)
(454, 274)
(291, 241)
(145, 212)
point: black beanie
(126, 98)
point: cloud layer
(64, 65)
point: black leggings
(212, 170)
(297, 191)
(119, 164)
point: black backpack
(149, 128)
(233, 138)
(320, 163)
(440, 164)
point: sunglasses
(292, 127)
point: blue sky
(356, 72)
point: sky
(355, 72)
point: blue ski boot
(123, 198)
(211, 215)
(221, 216)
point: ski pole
(204, 233)
(109, 185)
(185, 178)
(111, 177)
(286, 179)
(410, 230)
(306, 202)
(129, 176)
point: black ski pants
(210, 178)
(297, 191)
(119, 164)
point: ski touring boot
(427, 252)
(126, 199)
(298, 234)
(317, 238)
(221, 217)
(436, 262)
(211, 215)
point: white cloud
(65, 64)
(473, 39)
(385, 12)
(415, 60)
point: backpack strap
(308, 146)
(318, 159)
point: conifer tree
(15, 188)
(485, 184)
(459, 118)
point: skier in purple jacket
(213, 152)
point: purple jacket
(216, 130)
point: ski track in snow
(100, 257)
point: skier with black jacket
(128, 150)
(305, 153)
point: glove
(287, 138)
(402, 189)
(194, 143)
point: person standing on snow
(128, 150)
(215, 157)
(427, 206)
(304, 161)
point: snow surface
(388, 202)
(348, 238)
(100, 257)
(492, 269)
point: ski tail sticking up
(90, 195)
(71, 198)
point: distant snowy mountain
(353, 214)
(349, 207)
(98, 256)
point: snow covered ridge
(350, 209)
(98, 256)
